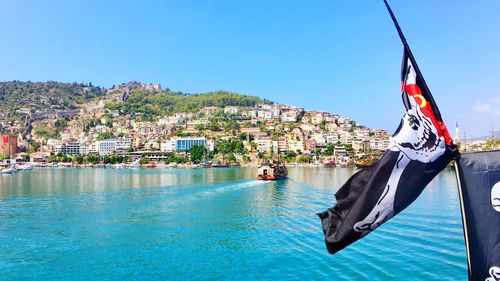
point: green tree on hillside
(105, 136)
(196, 152)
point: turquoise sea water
(185, 224)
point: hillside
(17, 97)
(160, 103)
(23, 103)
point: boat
(205, 165)
(161, 165)
(135, 164)
(367, 162)
(9, 170)
(172, 165)
(272, 171)
(219, 164)
(25, 167)
(65, 165)
(329, 164)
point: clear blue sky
(339, 56)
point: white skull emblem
(494, 274)
(417, 137)
(495, 196)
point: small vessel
(329, 164)
(25, 167)
(205, 164)
(65, 165)
(8, 170)
(161, 165)
(367, 162)
(135, 164)
(272, 171)
(219, 164)
(172, 165)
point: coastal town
(102, 133)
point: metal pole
(464, 219)
(415, 65)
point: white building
(264, 144)
(84, 149)
(346, 137)
(289, 117)
(106, 147)
(361, 134)
(231, 110)
(319, 139)
(210, 145)
(71, 148)
(379, 144)
(52, 143)
(333, 138)
(295, 145)
(167, 146)
(58, 148)
(123, 143)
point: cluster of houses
(303, 132)
(270, 128)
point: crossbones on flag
(418, 151)
(479, 175)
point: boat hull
(270, 177)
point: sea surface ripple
(213, 224)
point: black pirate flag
(419, 150)
(479, 178)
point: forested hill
(40, 96)
(18, 98)
(167, 102)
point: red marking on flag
(414, 90)
(5, 139)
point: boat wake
(208, 191)
(231, 187)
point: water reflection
(212, 223)
(52, 181)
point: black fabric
(478, 173)
(354, 202)
(419, 150)
(417, 176)
(358, 196)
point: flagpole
(414, 63)
(464, 220)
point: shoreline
(166, 166)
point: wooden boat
(364, 163)
(272, 171)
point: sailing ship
(274, 170)
(366, 162)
